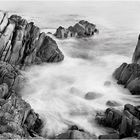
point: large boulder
(134, 86)
(49, 51)
(81, 29)
(128, 75)
(20, 42)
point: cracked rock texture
(22, 43)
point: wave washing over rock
(73, 99)
(21, 44)
(81, 29)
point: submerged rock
(110, 136)
(107, 83)
(22, 43)
(75, 133)
(92, 95)
(81, 29)
(112, 103)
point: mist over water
(57, 91)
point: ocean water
(57, 91)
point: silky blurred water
(57, 91)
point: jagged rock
(128, 75)
(15, 117)
(49, 52)
(61, 32)
(4, 21)
(10, 75)
(4, 91)
(20, 42)
(111, 118)
(136, 54)
(126, 122)
(81, 29)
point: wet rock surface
(126, 122)
(17, 119)
(22, 43)
(92, 95)
(80, 30)
(75, 133)
(128, 75)
(112, 103)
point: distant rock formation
(81, 29)
(22, 43)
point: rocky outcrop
(81, 29)
(22, 43)
(126, 122)
(17, 119)
(129, 74)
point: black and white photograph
(70, 69)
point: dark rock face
(49, 52)
(125, 122)
(81, 29)
(136, 54)
(20, 42)
(17, 119)
(128, 75)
